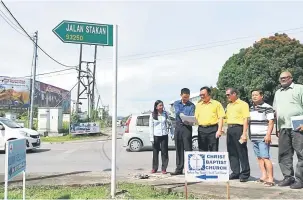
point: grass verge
(69, 137)
(125, 191)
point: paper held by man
(190, 120)
(296, 122)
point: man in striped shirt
(261, 125)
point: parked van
(10, 130)
(136, 135)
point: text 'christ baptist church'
(101, 30)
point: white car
(136, 135)
(10, 130)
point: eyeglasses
(284, 78)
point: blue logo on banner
(196, 162)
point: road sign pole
(114, 114)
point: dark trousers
(207, 140)
(183, 142)
(160, 143)
(290, 141)
(238, 154)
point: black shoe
(243, 180)
(287, 181)
(176, 173)
(233, 177)
(297, 185)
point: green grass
(69, 138)
(129, 191)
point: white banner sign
(206, 166)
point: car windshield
(10, 123)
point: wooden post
(186, 194)
(227, 190)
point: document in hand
(296, 121)
(189, 119)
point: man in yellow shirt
(209, 114)
(237, 114)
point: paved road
(95, 156)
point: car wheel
(195, 144)
(135, 145)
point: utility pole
(88, 87)
(92, 98)
(79, 80)
(31, 114)
(88, 92)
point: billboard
(85, 128)
(14, 92)
(50, 96)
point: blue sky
(145, 28)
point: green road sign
(85, 33)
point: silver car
(136, 135)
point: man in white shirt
(261, 125)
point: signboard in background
(15, 162)
(14, 92)
(85, 128)
(50, 96)
(206, 166)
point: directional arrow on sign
(204, 176)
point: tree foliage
(260, 65)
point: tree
(260, 65)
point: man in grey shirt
(288, 102)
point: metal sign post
(95, 34)
(114, 114)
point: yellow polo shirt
(209, 113)
(236, 112)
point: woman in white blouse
(160, 127)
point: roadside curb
(80, 141)
(161, 183)
(106, 137)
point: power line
(33, 39)
(198, 47)
(46, 73)
(48, 76)
(12, 23)
(52, 72)
(7, 20)
(98, 94)
(67, 94)
(57, 74)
